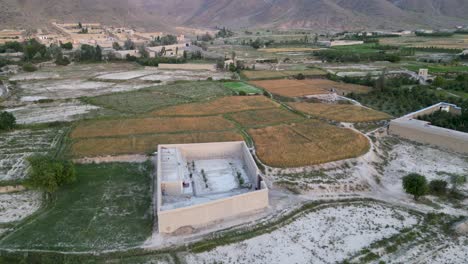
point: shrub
(29, 67)
(242, 93)
(67, 46)
(438, 187)
(300, 76)
(7, 121)
(48, 174)
(415, 185)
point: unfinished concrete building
(411, 128)
(199, 184)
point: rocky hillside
(165, 14)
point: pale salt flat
(127, 75)
(456, 252)
(431, 162)
(329, 235)
(179, 75)
(34, 76)
(65, 89)
(16, 206)
(50, 112)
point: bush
(300, 76)
(415, 185)
(438, 187)
(29, 67)
(67, 46)
(48, 174)
(242, 93)
(7, 121)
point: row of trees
(418, 186)
(332, 55)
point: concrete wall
(188, 66)
(420, 131)
(204, 214)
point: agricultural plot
(331, 234)
(50, 112)
(299, 88)
(265, 75)
(16, 146)
(257, 118)
(219, 106)
(340, 112)
(123, 76)
(138, 144)
(184, 75)
(16, 206)
(122, 127)
(457, 41)
(107, 208)
(306, 143)
(289, 49)
(158, 97)
(238, 87)
(69, 88)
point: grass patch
(238, 87)
(108, 207)
(158, 97)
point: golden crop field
(119, 127)
(298, 88)
(219, 106)
(258, 118)
(307, 143)
(340, 112)
(141, 144)
(265, 75)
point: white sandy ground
(30, 76)
(64, 89)
(128, 75)
(16, 146)
(428, 161)
(328, 235)
(16, 206)
(50, 112)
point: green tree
(48, 174)
(116, 46)
(98, 54)
(415, 185)
(7, 121)
(457, 180)
(29, 67)
(67, 46)
(129, 45)
(438, 187)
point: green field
(157, 97)
(362, 48)
(240, 86)
(436, 68)
(108, 207)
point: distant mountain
(166, 14)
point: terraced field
(340, 112)
(265, 75)
(306, 143)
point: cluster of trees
(418, 186)
(7, 121)
(205, 37)
(449, 120)
(88, 53)
(163, 41)
(434, 34)
(154, 62)
(332, 55)
(460, 83)
(224, 33)
(399, 101)
(48, 174)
